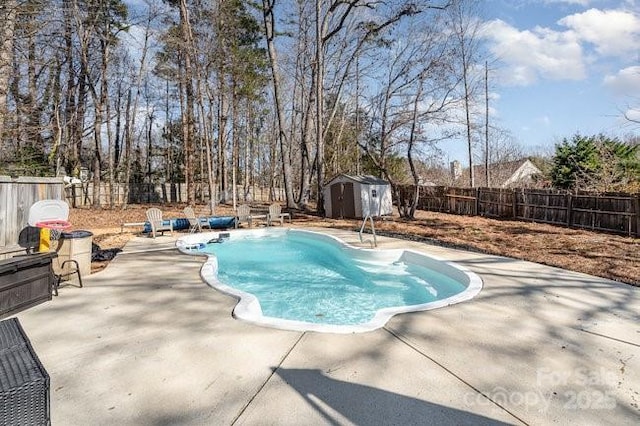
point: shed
(357, 196)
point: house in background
(510, 174)
(348, 196)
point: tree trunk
(486, 125)
(465, 30)
(100, 103)
(234, 145)
(111, 171)
(211, 180)
(222, 144)
(410, 212)
(188, 122)
(319, 96)
(465, 78)
(56, 123)
(71, 119)
(7, 27)
(128, 134)
(269, 24)
(78, 128)
(130, 119)
(31, 101)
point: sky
(561, 67)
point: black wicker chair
(24, 383)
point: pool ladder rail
(374, 242)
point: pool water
(315, 280)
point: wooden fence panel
(613, 213)
(143, 193)
(495, 202)
(433, 198)
(618, 213)
(544, 206)
(463, 201)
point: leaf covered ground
(606, 255)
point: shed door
(336, 200)
(342, 202)
(348, 202)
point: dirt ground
(605, 255)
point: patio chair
(244, 215)
(275, 213)
(154, 216)
(195, 223)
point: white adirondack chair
(195, 223)
(243, 215)
(154, 216)
(275, 214)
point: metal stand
(374, 243)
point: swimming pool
(304, 280)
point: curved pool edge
(248, 306)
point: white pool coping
(248, 308)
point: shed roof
(362, 179)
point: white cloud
(613, 32)
(544, 53)
(544, 120)
(625, 82)
(633, 114)
(538, 53)
(584, 3)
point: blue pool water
(315, 280)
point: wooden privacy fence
(78, 195)
(16, 198)
(619, 213)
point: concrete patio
(146, 342)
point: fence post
(477, 203)
(514, 212)
(569, 209)
(637, 205)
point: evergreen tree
(596, 163)
(574, 158)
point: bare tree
(268, 11)
(8, 12)
(188, 129)
(465, 26)
(417, 95)
(330, 23)
(132, 106)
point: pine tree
(596, 163)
